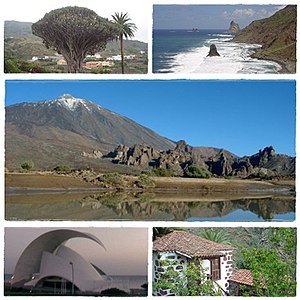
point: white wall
(226, 270)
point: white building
(179, 248)
(48, 264)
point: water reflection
(150, 206)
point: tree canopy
(75, 32)
(273, 266)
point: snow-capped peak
(71, 103)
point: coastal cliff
(277, 35)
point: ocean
(185, 51)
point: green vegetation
(101, 71)
(277, 34)
(14, 65)
(194, 171)
(269, 253)
(111, 180)
(192, 281)
(144, 181)
(274, 267)
(21, 45)
(63, 169)
(74, 32)
(125, 29)
(217, 235)
(27, 165)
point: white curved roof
(31, 258)
(84, 276)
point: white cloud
(249, 13)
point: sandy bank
(44, 182)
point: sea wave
(234, 58)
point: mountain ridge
(87, 126)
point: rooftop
(190, 245)
(242, 276)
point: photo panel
(224, 39)
(224, 261)
(199, 151)
(170, 119)
(90, 261)
(85, 37)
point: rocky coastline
(277, 35)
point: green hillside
(20, 45)
(276, 34)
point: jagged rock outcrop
(234, 28)
(145, 156)
(220, 164)
(95, 154)
(137, 155)
(265, 163)
(261, 158)
(213, 50)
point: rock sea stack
(213, 51)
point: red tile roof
(189, 244)
(242, 276)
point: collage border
(149, 76)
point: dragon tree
(75, 32)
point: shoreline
(284, 65)
(287, 67)
(21, 184)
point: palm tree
(126, 30)
(214, 234)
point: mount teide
(59, 131)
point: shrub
(63, 169)
(163, 172)
(112, 179)
(101, 71)
(15, 65)
(27, 165)
(114, 292)
(144, 181)
(194, 171)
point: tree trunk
(74, 61)
(122, 53)
(74, 65)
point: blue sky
(241, 116)
(208, 16)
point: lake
(141, 206)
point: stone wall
(226, 270)
(179, 262)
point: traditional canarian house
(180, 248)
